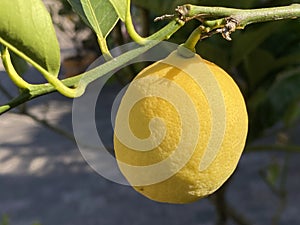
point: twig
(243, 16)
(227, 20)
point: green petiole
(12, 73)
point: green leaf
(120, 7)
(101, 15)
(27, 30)
(77, 8)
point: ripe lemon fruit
(180, 129)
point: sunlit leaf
(120, 7)
(101, 15)
(98, 15)
(27, 30)
(77, 7)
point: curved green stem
(69, 92)
(187, 49)
(62, 88)
(157, 36)
(193, 39)
(104, 48)
(19, 82)
(130, 27)
(12, 73)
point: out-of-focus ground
(43, 176)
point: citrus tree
(262, 59)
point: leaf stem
(71, 92)
(51, 78)
(104, 48)
(130, 27)
(12, 73)
(23, 55)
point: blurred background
(45, 180)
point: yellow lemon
(180, 129)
